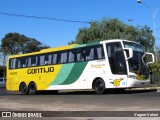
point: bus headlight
(132, 76)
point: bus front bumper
(138, 83)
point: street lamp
(153, 14)
(139, 1)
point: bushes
(2, 71)
(155, 69)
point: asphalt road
(132, 100)
(82, 101)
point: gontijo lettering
(40, 70)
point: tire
(32, 88)
(99, 86)
(24, 89)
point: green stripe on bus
(79, 46)
(63, 74)
(75, 73)
(94, 43)
(86, 45)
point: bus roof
(46, 50)
(69, 47)
(118, 40)
(56, 49)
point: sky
(58, 33)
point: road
(81, 101)
(88, 101)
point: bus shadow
(66, 93)
(139, 91)
(110, 92)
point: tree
(14, 43)
(145, 37)
(115, 29)
(2, 71)
(33, 45)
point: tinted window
(45, 59)
(71, 56)
(32, 61)
(12, 63)
(90, 53)
(54, 58)
(80, 56)
(116, 58)
(99, 53)
(61, 57)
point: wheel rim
(32, 88)
(24, 88)
(99, 86)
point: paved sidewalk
(146, 88)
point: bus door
(118, 67)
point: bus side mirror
(152, 57)
(129, 53)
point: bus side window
(80, 55)
(32, 61)
(99, 52)
(49, 60)
(12, 63)
(22, 62)
(42, 60)
(58, 58)
(71, 56)
(63, 57)
(29, 62)
(54, 58)
(89, 53)
(45, 59)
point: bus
(109, 64)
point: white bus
(110, 64)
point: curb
(158, 90)
(147, 88)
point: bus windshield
(134, 46)
(136, 63)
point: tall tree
(145, 37)
(14, 43)
(115, 29)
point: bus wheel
(23, 88)
(32, 88)
(99, 86)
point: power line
(42, 17)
